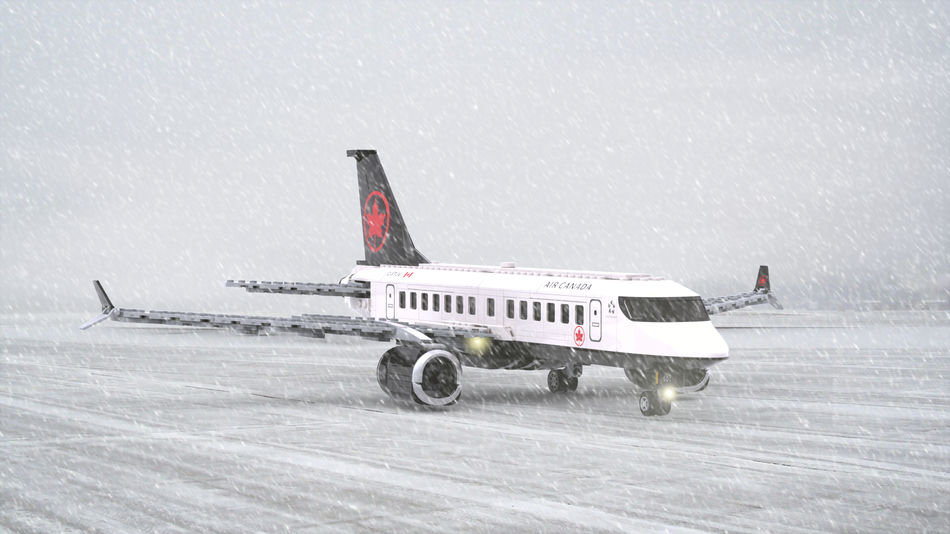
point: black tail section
(385, 236)
(762, 280)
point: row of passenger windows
(423, 302)
(436, 301)
(551, 311)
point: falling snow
(165, 147)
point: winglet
(103, 298)
(107, 307)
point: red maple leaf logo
(762, 281)
(376, 221)
(579, 336)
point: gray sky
(165, 147)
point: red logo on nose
(375, 220)
(579, 336)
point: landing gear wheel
(663, 406)
(557, 382)
(572, 383)
(648, 402)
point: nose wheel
(651, 403)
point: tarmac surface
(819, 421)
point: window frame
(579, 314)
(664, 309)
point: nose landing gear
(655, 403)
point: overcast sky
(164, 147)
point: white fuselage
(573, 310)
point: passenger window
(523, 312)
(471, 305)
(402, 299)
(550, 312)
(537, 310)
(425, 302)
(565, 313)
(579, 314)
(448, 304)
(459, 304)
(491, 307)
(412, 300)
(511, 309)
(435, 302)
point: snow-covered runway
(820, 421)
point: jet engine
(430, 376)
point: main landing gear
(564, 380)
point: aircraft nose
(685, 340)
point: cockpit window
(664, 309)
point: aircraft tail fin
(386, 238)
(762, 283)
(762, 280)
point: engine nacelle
(424, 376)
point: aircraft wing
(761, 294)
(317, 326)
(352, 289)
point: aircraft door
(390, 302)
(596, 321)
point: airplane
(444, 317)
